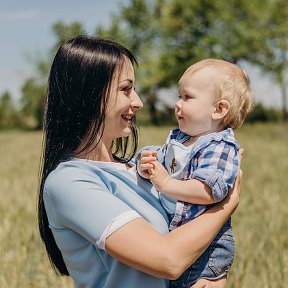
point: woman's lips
(128, 118)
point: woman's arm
(138, 245)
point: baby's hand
(145, 165)
(159, 176)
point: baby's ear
(221, 109)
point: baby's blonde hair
(231, 84)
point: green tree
(270, 52)
(63, 32)
(8, 113)
(33, 97)
(169, 35)
(136, 27)
(187, 28)
(256, 31)
(34, 88)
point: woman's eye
(127, 90)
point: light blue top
(81, 198)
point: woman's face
(123, 103)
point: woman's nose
(136, 102)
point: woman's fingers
(241, 153)
(240, 172)
(203, 283)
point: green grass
(260, 222)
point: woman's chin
(126, 132)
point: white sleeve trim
(115, 224)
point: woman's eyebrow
(129, 80)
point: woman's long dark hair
(78, 91)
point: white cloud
(19, 15)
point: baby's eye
(187, 97)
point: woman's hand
(234, 192)
(204, 283)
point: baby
(200, 158)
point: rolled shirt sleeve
(115, 224)
(217, 167)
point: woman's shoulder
(67, 174)
(68, 168)
(82, 167)
(81, 172)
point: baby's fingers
(147, 159)
(146, 166)
(145, 153)
(147, 156)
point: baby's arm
(192, 191)
(215, 174)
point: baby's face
(195, 107)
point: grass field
(260, 223)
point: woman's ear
(221, 109)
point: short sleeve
(77, 201)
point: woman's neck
(102, 152)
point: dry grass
(260, 223)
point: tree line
(167, 36)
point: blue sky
(25, 29)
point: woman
(98, 221)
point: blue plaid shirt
(212, 159)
